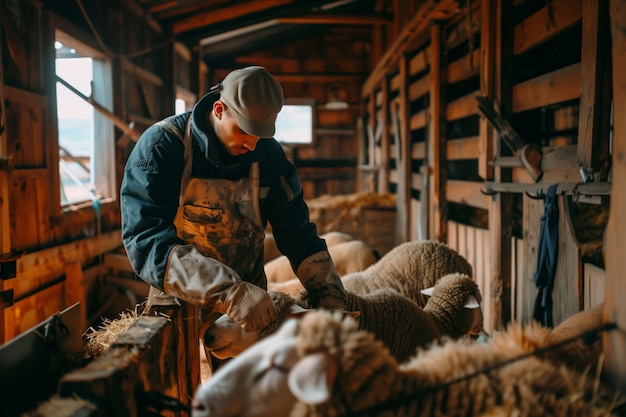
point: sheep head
(455, 303)
(226, 338)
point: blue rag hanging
(547, 254)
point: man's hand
(250, 306)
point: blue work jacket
(150, 190)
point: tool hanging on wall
(530, 154)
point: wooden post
(403, 151)
(615, 308)
(496, 81)
(595, 92)
(75, 290)
(5, 225)
(437, 137)
(383, 172)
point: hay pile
(98, 341)
(330, 211)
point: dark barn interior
(423, 120)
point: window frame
(103, 167)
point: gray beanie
(257, 98)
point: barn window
(294, 124)
(86, 135)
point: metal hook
(488, 192)
(539, 194)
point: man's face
(236, 141)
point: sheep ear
(471, 302)
(353, 314)
(311, 379)
(428, 291)
(296, 311)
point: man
(198, 191)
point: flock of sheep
(402, 348)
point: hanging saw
(530, 154)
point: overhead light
(336, 97)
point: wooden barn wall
(543, 67)
(59, 254)
(308, 68)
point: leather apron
(222, 218)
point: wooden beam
(417, 26)
(594, 122)
(5, 214)
(327, 19)
(614, 307)
(319, 78)
(210, 17)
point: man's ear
(219, 108)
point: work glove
(319, 276)
(214, 286)
(250, 306)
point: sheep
(323, 365)
(348, 257)
(452, 310)
(270, 250)
(581, 355)
(408, 268)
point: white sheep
(348, 257)
(407, 268)
(452, 310)
(323, 365)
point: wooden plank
(36, 269)
(615, 308)
(465, 67)
(418, 120)
(420, 87)
(462, 107)
(27, 313)
(336, 19)
(420, 61)
(75, 291)
(555, 87)
(29, 98)
(437, 138)
(463, 148)
(467, 192)
(594, 122)
(594, 285)
(534, 29)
